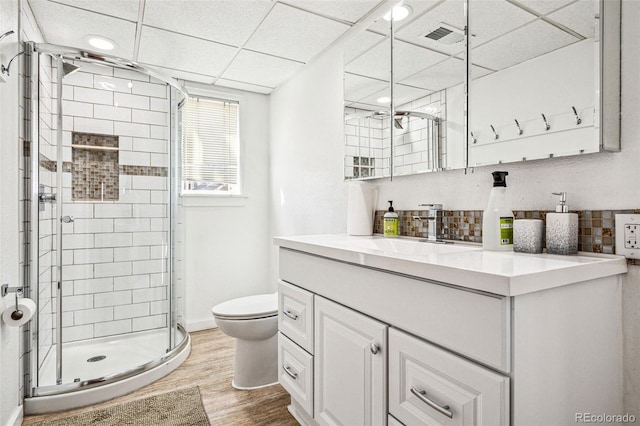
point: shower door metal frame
(32, 239)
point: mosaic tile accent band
(67, 166)
(596, 231)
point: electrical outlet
(628, 235)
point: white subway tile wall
(115, 273)
(367, 149)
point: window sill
(208, 200)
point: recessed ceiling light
(99, 42)
(399, 13)
(383, 100)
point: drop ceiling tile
(125, 9)
(181, 52)
(544, 7)
(357, 87)
(438, 77)
(66, 26)
(490, 19)
(444, 75)
(244, 86)
(372, 99)
(360, 44)
(229, 22)
(183, 75)
(375, 63)
(409, 59)
(293, 34)
(346, 10)
(402, 94)
(257, 68)
(579, 16)
(523, 44)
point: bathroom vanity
(378, 331)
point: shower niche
(94, 169)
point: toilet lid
(258, 306)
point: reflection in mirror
(534, 83)
(429, 73)
(428, 93)
(367, 92)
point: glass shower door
(104, 230)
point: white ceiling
(256, 45)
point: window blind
(210, 146)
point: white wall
(307, 159)
(10, 409)
(308, 192)
(227, 245)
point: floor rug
(182, 407)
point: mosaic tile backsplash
(596, 232)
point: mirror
(540, 73)
(534, 85)
(427, 131)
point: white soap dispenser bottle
(562, 228)
(497, 219)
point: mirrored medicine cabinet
(464, 83)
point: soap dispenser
(497, 219)
(390, 222)
(562, 228)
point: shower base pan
(124, 368)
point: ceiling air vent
(445, 34)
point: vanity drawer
(295, 372)
(295, 314)
(474, 324)
(428, 385)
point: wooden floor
(210, 366)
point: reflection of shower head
(68, 69)
(397, 123)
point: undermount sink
(403, 246)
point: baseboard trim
(17, 416)
(201, 325)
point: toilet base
(255, 363)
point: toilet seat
(248, 308)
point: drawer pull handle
(422, 396)
(374, 348)
(290, 315)
(290, 373)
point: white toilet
(253, 321)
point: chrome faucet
(436, 223)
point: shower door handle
(44, 197)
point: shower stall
(102, 240)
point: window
(210, 147)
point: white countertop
(465, 265)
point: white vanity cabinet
(350, 367)
(453, 336)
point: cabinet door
(429, 386)
(349, 367)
